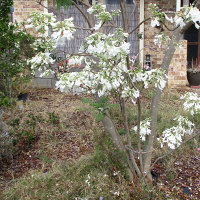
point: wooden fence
(79, 36)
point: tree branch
(173, 150)
(41, 4)
(83, 14)
(122, 12)
(134, 29)
(132, 13)
(138, 133)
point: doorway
(192, 35)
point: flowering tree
(110, 71)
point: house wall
(177, 70)
(177, 75)
(178, 67)
(23, 8)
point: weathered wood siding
(74, 45)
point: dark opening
(191, 35)
(190, 2)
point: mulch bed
(67, 148)
(185, 184)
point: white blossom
(98, 26)
(144, 129)
(40, 61)
(192, 102)
(169, 19)
(173, 136)
(188, 13)
(155, 22)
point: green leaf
(122, 132)
(64, 3)
(98, 117)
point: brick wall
(178, 68)
(149, 32)
(23, 8)
(177, 75)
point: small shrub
(53, 118)
(6, 147)
(23, 131)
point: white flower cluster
(40, 62)
(154, 76)
(173, 136)
(99, 10)
(192, 102)
(155, 22)
(111, 74)
(45, 43)
(185, 15)
(160, 39)
(40, 21)
(188, 14)
(108, 46)
(144, 129)
(63, 29)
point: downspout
(141, 32)
(178, 5)
(12, 13)
(45, 6)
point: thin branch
(128, 138)
(169, 28)
(82, 13)
(132, 13)
(138, 133)
(84, 3)
(172, 151)
(136, 152)
(41, 4)
(139, 25)
(122, 11)
(125, 16)
(73, 54)
(81, 28)
(113, 25)
(125, 121)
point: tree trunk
(177, 35)
(117, 141)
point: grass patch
(94, 176)
(77, 159)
